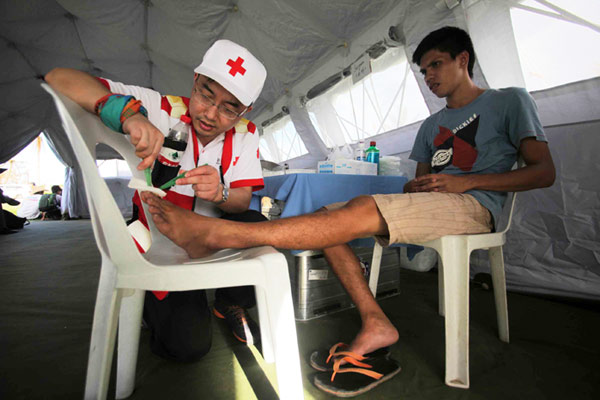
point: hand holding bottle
(146, 138)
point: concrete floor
(48, 281)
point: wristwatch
(224, 194)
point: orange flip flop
(322, 360)
(359, 375)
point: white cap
(234, 68)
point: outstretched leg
(200, 236)
(328, 230)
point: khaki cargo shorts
(420, 217)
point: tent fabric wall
(553, 248)
(317, 150)
(158, 44)
(553, 245)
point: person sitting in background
(8, 220)
(49, 203)
(30, 205)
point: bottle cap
(373, 143)
(185, 119)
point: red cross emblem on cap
(236, 66)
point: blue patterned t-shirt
(482, 137)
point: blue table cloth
(305, 193)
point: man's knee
(182, 344)
(363, 201)
(357, 202)
(364, 209)
(189, 350)
(180, 325)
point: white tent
(309, 46)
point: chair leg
(278, 295)
(265, 330)
(441, 310)
(130, 320)
(375, 267)
(104, 329)
(455, 256)
(499, 283)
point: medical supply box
(348, 167)
(316, 291)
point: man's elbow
(53, 75)
(62, 77)
(548, 177)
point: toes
(158, 219)
(148, 197)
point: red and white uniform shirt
(236, 150)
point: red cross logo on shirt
(236, 66)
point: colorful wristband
(114, 109)
(131, 108)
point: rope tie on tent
(113, 109)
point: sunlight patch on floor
(270, 372)
(243, 390)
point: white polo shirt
(235, 150)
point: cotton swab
(148, 173)
(171, 183)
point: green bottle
(373, 154)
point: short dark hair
(448, 39)
(55, 189)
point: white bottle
(359, 153)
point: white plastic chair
(454, 252)
(126, 274)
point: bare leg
(328, 230)
(377, 331)
(200, 236)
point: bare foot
(186, 229)
(376, 332)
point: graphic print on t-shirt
(456, 146)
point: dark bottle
(167, 165)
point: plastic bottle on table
(372, 154)
(359, 153)
(167, 165)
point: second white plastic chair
(125, 273)
(454, 252)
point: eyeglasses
(221, 108)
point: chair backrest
(112, 237)
(506, 217)
(509, 205)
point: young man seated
(464, 156)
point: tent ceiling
(157, 43)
